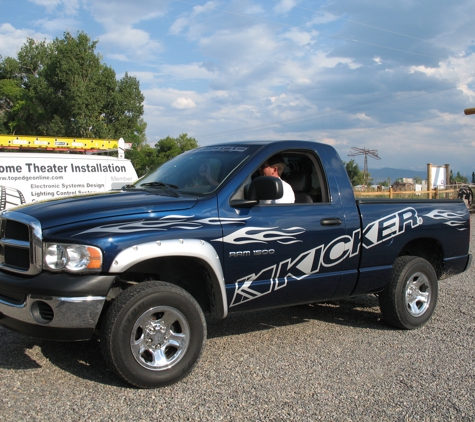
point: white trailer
(34, 176)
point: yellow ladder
(56, 143)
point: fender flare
(194, 248)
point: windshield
(197, 172)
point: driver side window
(302, 171)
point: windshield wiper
(167, 187)
(159, 184)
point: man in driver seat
(274, 167)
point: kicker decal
(310, 262)
(307, 263)
(390, 226)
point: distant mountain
(380, 175)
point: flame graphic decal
(455, 219)
(261, 235)
(164, 223)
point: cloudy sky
(389, 76)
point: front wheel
(153, 334)
(409, 299)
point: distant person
(274, 167)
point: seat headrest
(300, 181)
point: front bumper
(53, 318)
(53, 306)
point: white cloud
(187, 71)
(130, 44)
(467, 91)
(190, 19)
(321, 60)
(254, 9)
(285, 6)
(48, 4)
(361, 116)
(179, 25)
(120, 57)
(66, 7)
(248, 45)
(60, 25)
(300, 37)
(114, 15)
(164, 97)
(329, 141)
(182, 103)
(12, 39)
(143, 76)
(276, 98)
(458, 69)
(321, 18)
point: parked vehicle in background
(53, 173)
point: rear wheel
(409, 299)
(466, 193)
(153, 334)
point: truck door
(281, 254)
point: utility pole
(354, 151)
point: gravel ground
(336, 361)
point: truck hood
(75, 209)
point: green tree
(11, 92)
(458, 178)
(169, 147)
(66, 90)
(145, 158)
(354, 173)
(473, 176)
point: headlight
(73, 258)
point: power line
(358, 131)
(383, 46)
(321, 32)
(364, 24)
(345, 109)
(341, 110)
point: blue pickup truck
(140, 267)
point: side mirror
(261, 188)
(265, 188)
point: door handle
(335, 221)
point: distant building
(403, 186)
(407, 184)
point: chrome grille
(20, 243)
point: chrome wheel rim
(418, 294)
(160, 338)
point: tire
(409, 299)
(153, 334)
(466, 193)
